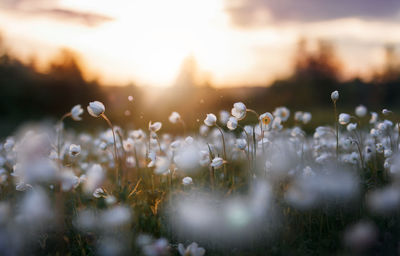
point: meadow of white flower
(234, 188)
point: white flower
(387, 153)
(344, 118)
(217, 162)
(187, 181)
(224, 117)
(74, 150)
(239, 110)
(351, 127)
(76, 113)
(361, 111)
(386, 111)
(232, 123)
(155, 127)
(174, 117)
(374, 118)
(306, 117)
(9, 144)
(277, 124)
(98, 192)
(94, 178)
(192, 250)
(210, 120)
(335, 95)
(128, 144)
(203, 130)
(298, 116)
(241, 143)
(283, 113)
(118, 216)
(162, 165)
(266, 120)
(96, 108)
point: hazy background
(195, 57)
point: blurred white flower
(241, 143)
(277, 124)
(203, 130)
(298, 116)
(96, 108)
(351, 127)
(162, 165)
(158, 248)
(155, 127)
(361, 111)
(239, 110)
(128, 144)
(210, 120)
(361, 236)
(266, 120)
(94, 178)
(98, 192)
(384, 201)
(282, 112)
(232, 123)
(174, 117)
(74, 150)
(335, 95)
(386, 112)
(344, 118)
(187, 181)
(217, 162)
(306, 117)
(118, 216)
(224, 117)
(374, 118)
(192, 250)
(9, 144)
(76, 113)
(69, 180)
(35, 209)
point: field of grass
(245, 183)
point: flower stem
(60, 133)
(337, 129)
(118, 178)
(223, 140)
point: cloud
(248, 12)
(33, 8)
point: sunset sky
(235, 42)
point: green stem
(118, 178)
(337, 129)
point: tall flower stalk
(97, 109)
(335, 97)
(75, 114)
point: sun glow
(146, 42)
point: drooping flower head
(155, 127)
(76, 113)
(239, 110)
(210, 120)
(96, 108)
